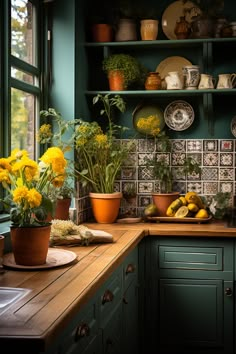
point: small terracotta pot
(163, 200)
(62, 209)
(116, 80)
(102, 32)
(105, 206)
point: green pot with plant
(100, 154)
(124, 71)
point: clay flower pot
(105, 206)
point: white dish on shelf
(172, 14)
(174, 63)
(233, 126)
(179, 115)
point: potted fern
(124, 71)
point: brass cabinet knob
(228, 292)
(107, 297)
(130, 269)
(82, 331)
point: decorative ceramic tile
(210, 187)
(196, 157)
(163, 156)
(226, 145)
(157, 187)
(128, 173)
(178, 173)
(210, 159)
(160, 146)
(143, 158)
(209, 174)
(178, 159)
(194, 176)
(146, 145)
(180, 187)
(117, 187)
(194, 145)
(178, 145)
(226, 159)
(226, 187)
(210, 145)
(145, 173)
(134, 145)
(131, 160)
(194, 187)
(145, 187)
(226, 174)
(143, 200)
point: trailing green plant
(134, 72)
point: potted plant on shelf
(28, 185)
(162, 172)
(59, 132)
(99, 157)
(124, 71)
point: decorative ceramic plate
(179, 115)
(56, 257)
(233, 126)
(148, 119)
(174, 63)
(179, 220)
(172, 14)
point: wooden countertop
(57, 294)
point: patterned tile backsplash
(218, 169)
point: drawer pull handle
(228, 292)
(107, 297)
(82, 331)
(130, 269)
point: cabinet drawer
(110, 295)
(82, 331)
(130, 268)
(205, 258)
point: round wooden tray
(55, 258)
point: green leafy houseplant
(134, 72)
(29, 184)
(59, 132)
(100, 154)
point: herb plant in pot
(99, 157)
(28, 184)
(124, 71)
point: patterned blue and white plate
(179, 115)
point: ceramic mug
(191, 76)
(226, 81)
(206, 82)
(173, 81)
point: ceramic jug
(206, 82)
(191, 76)
(126, 30)
(173, 81)
(149, 30)
(226, 81)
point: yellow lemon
(202, 213)
(182, 212)
(193, 207)
(183, 200)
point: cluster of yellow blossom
(149, 125)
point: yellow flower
(19, 194)
(44, 133)
(34, 198)
(27, 167)
(101, 140)
(55, 157)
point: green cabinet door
(195, 316)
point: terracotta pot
(163, 200)
(105, 206)
(102, 32)
(30, 244)
(62, 209)
(116, 80)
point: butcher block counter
(55, 295)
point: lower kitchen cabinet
(108, 323)
(191, 309)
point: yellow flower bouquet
(29, 185)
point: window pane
(22, 30)
(22, 120)
(21, 75)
